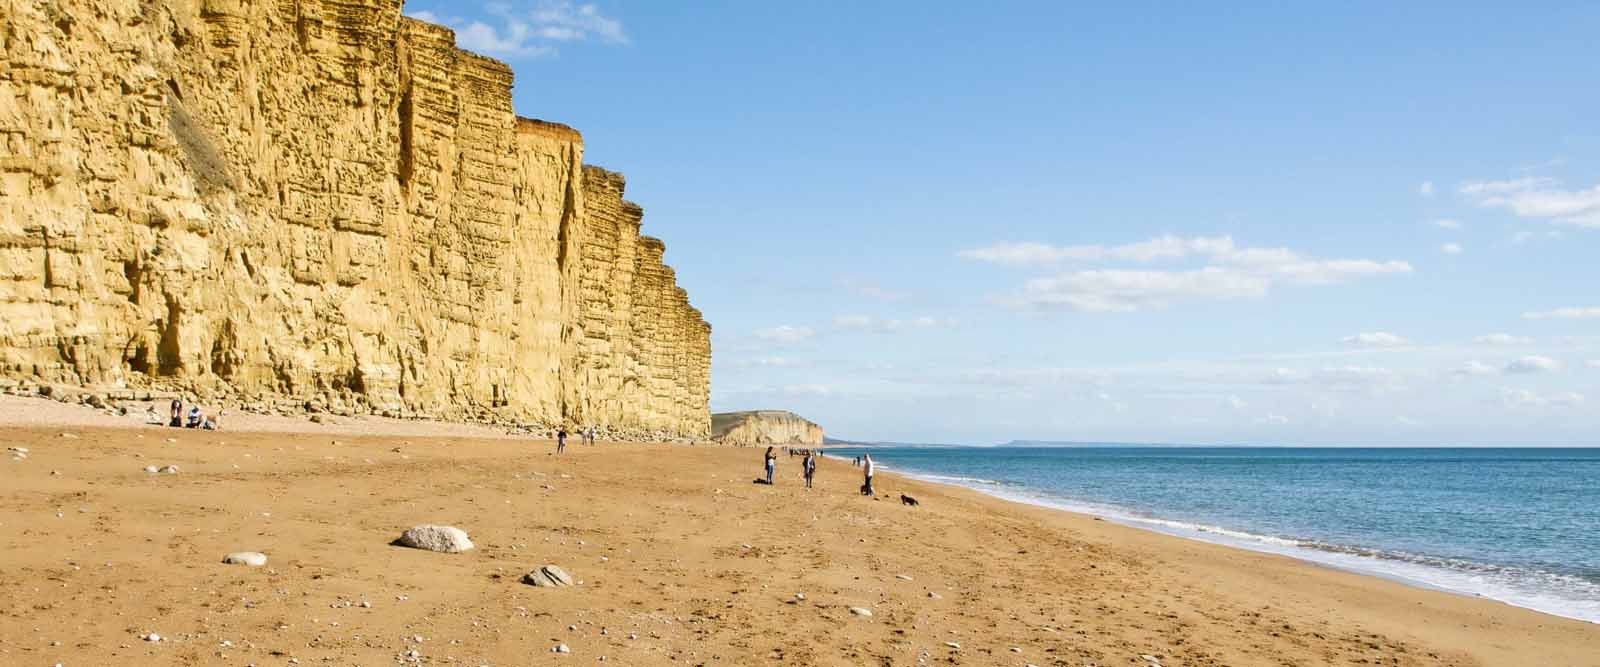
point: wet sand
(682, 560)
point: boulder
(549, 576)
(443, 539)
(251, 558)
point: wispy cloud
(785, 333)
(1447, 224)
(1502, 339)
(1232, 272)
(1523, 398)
(874, 324)
(1425, 189)
(1584, 313)
(1375, 339)
(521, 30)
(1538, 197)
(1475, 368)
(1533, 364)
(1452, 249)
(1592, 363)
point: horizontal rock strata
(324, 204)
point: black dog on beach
(908, 500)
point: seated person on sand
(211, 422)
(194, 417)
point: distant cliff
(764, 427)
(320, 202)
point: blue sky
(1357, 224)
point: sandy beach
(681, 559)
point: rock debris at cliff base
(320, 203)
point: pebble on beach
(250, 558)
(549, 576)
(861, 611)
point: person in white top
(866, 465)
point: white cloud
(1502, 339)
(1162, 247)
(530, 31)
(1233, 273)
(1533, 364)
(785, 333)
(1539, 197)
(1347, 378)
(1564, 314)
(1407, 421)
(1476, 368)
(1592, 363)
(1426, 189)
(1451, 248)
(1523, 398)
(772, 362)
(1447, 224)
(1276, 420)
(1375, 339)
(880, 325)
(1237, 403)
(1520, 238)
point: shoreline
(680, 557)
(1408, 573)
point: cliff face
(764, 427)
(323, 201)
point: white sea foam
(1548, 592)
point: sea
(1517, 525)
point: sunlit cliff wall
(323, 202)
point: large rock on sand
(548, 576)
(443, 539)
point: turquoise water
(1517, 525)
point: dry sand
(682, 561)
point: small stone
(152, 637)
(152, 469)
(250, 558)
(1151, 659)
(932, 595)
(561, 648)
(443, 539)
(953, 644)
(861, 611)
(903, 577)
(800, 596)
(1016, 649)
(169, 469)
(70, 436)
(549, 576)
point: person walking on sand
(177, 414)
(866, 465)
(772, 464)
(561, 440)
(809, 467)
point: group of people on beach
(808, 467)
(195, 419)
(588, 434)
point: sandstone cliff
(320, 201)
(764, 427)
